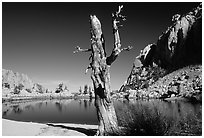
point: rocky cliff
(19, 83)
(179, 46)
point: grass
(145, 121)
(190, 125)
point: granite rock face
(11, 81)
(178, 47)
(181, 44)
(14, 79)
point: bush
(85, 89)
(18, 88)
(6, 85)
(29, 90)
(39, 88)
(189, 125)
(145, 121)
(59, 89)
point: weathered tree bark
(100, 75)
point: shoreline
(18, 128)
(41, 97)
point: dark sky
(38, 39)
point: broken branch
(78, 49)
(127, 48)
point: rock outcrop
(179, 46)
(19, 82)
(11, 79)
(185, 83)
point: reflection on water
(83, 111)
(58, 106)
(58, 111)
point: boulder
(132, 93)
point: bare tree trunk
(100, 65)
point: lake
(83, 111)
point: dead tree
(100, 75)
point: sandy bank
(16, 128)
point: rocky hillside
(185, 82)
(17, 83)
(179, 46)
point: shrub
(29, 90)
(143, 121)
(39, 88)
(59, 89)
(6, 85)
(85, 89)
(18, 88)
(189, 125)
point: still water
(83, 111)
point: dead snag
(100, 75)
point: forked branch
(117, 17)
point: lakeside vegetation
(145, 121)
